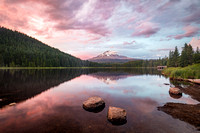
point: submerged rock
(116, 116)
(197, 81)
(11, 104)
(94, 104)
(174, 90)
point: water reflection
(96, 110)
(19, 85)
(175, 96)
(59, 107)
(185, 112)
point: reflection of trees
(185, 112)
(188, 88)
(132, 71)
(18, 85)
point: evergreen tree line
(187, 56)
(20, 50)
(146, 63)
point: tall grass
(189, 72)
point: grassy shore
(189, 72)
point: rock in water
(116, 116)
(11, 104)
(197, 81)
(94, 104)
(175, 91)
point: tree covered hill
(20, 50)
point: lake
(51, 100)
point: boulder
(94, 104)
(116, 116)
(174, 90)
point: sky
(85, 28)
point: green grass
(189, 72)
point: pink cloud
(129, 43)
(146, 29)
(189, 32)
(195, 42)
(60, 15)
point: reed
(189, 72)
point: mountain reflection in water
(51, 100)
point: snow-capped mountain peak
(110, 57)
(109, 53)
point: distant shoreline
(4, 68)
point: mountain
(111, 57)
(19, 50)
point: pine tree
(197, 56)
(190, 53)
(169, 63)
(176, 57)
(184, 58)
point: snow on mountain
(109, 53)
(110, 57)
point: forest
(187, 56)
(19, 50)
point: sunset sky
(85, 28)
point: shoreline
(190, 73)
(6, 68)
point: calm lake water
(51, 101)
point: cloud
(195, 17)
(168, 4)
(195, 42)
(189, 32)
(129, 43)
(162, 49)
(61, 14)
(146, 29)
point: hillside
(20, 50)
